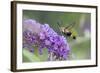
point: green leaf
(29, 57)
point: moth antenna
(59, 27)
(70, 26)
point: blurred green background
(80, 48)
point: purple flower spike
(43, 36)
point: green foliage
(34, 57)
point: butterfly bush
(43, 36)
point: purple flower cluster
(47, 38)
